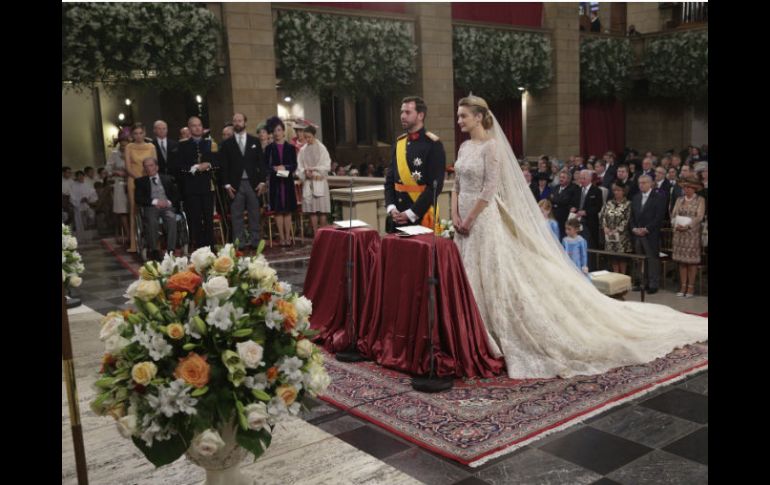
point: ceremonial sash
(410, 185)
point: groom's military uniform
(418, 159)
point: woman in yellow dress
(135, 153)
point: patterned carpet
(486, 418)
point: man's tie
(163, 149)
(583, 198)
(241, 144)
(155, 180)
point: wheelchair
(182, 232)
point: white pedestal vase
(223, 467)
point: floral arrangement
(677, 66)
(71, 262)
(605, 67)
(446, 229)
(352, 55)
(165, 45)
(495, 63)
(216, 341)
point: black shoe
(636, 288)
(652, 291)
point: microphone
(432, 383)
(351, 354)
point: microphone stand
(431, 382)
(351, 354)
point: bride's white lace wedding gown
(542, 315)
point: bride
(541, 313)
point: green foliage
(605, 67)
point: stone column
(553, 116)
(435, 74)
(249, 85)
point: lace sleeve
(491, 171)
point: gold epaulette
(432, 136)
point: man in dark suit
(611, 170)
(158, 194)
(674, 190)
(166, 148)
(589, 206)
(242, 174)
(648, 209)
(564, 199)
(194, 167)
(647, 168)
(418, 160)
(624, 178)
(662, 186)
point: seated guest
(614, 218)
(159, 196)
(82, 197)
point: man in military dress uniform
(193, 167)
(418, 160)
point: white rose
(305, 348)
(256, 415)
(304, 307)
(218, 287)
(127, 425)
(75, 281)
(115, 344)
(202, 258)
(63, 276)
(72, 243)
(110, 326)
(148, 289)
(316, 380)
(251, 353)
(259, 270)
(208, 443)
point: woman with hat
(686, 220)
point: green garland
(316, 52)
(495, 63)
(605, 67)
(164, 45)
(677, 66)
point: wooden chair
(267, 216)
(666, 246)
(299, 212)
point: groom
(418, 160)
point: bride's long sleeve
(491, 171)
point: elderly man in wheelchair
(157, 197)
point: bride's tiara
(475, 101)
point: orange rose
(287, 392)
(176, 299)
(193, 369)
(272, 374)
(184, 281)
(289, 315)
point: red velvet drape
(508, 114)
(602, 127)
(529, 14)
